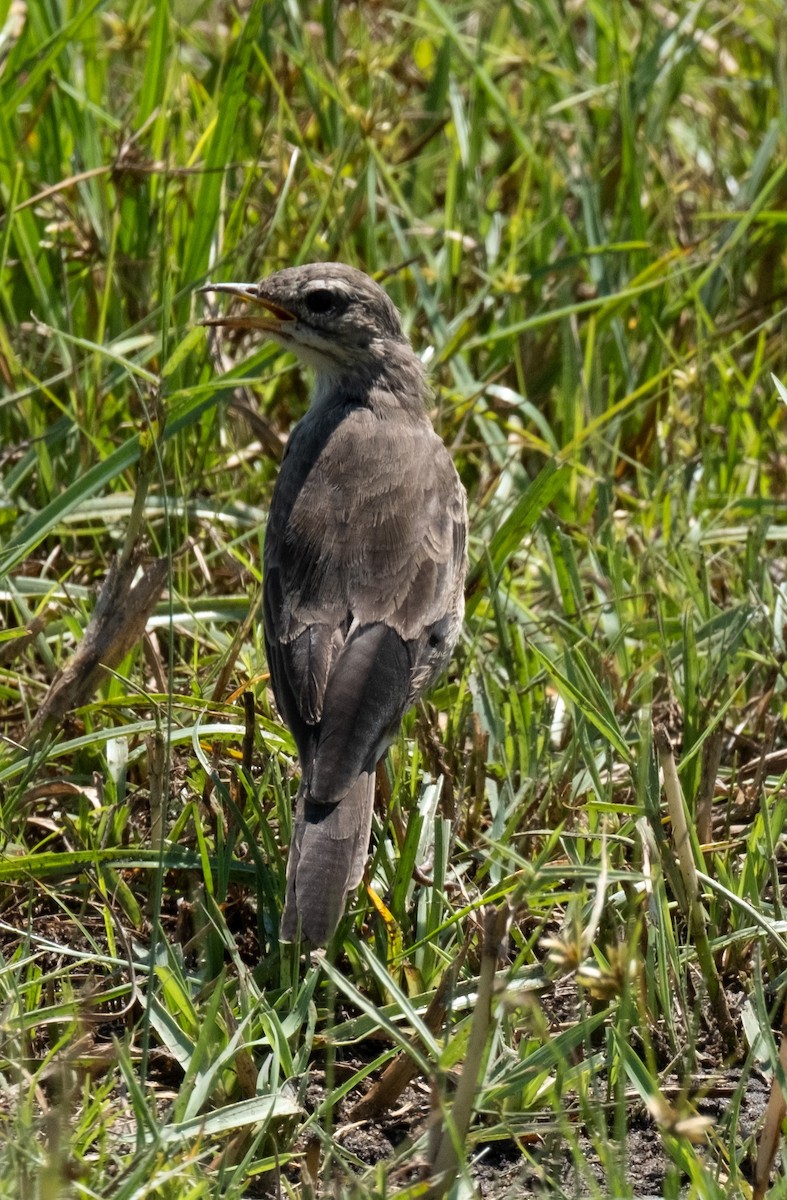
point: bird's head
(333, 317)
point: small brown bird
(364, 564)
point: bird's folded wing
(373, 536)
(364, 700)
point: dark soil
(544, 1163)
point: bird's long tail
(327, 858)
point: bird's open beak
(248, 291)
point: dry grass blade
(694, 910)
(117, 624)
(770, 1135)
(389, 1087)
(448, 1146)
(34, 628)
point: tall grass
(580, 211)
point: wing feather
(364, 574)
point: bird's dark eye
(321, 300)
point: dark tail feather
(327, 858)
